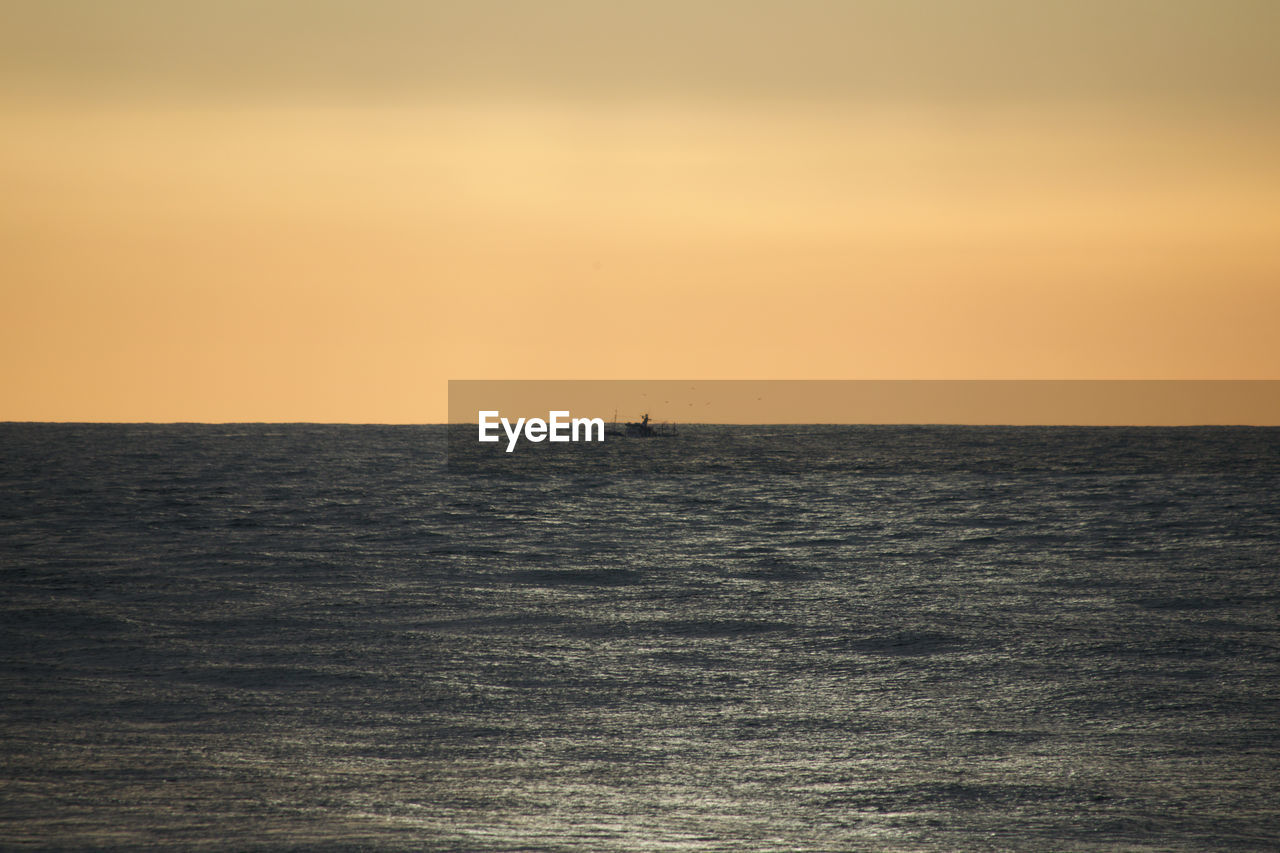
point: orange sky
(281, 212)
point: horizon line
(996, 424)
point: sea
(739, 638)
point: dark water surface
(781, 638)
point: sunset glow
(329, 228)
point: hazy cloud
(1179, 50)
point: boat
(644, 429)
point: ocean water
(742, 638)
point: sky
(325, 210)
